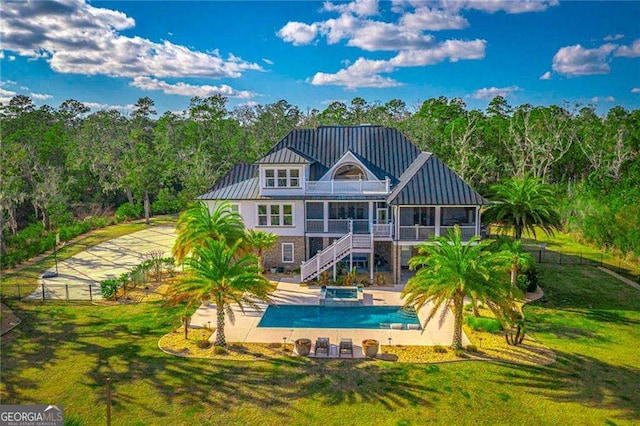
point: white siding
(248, 209)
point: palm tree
(516, 258)
(198, 223)
(260, 240)
(450, 270)
(227, 276)
(523, 204)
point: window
(275, 215)
(282, 178)
(287, 253)
(294, 178)
(269, 178)
(235, 208)
(262, 215)
(349, 172)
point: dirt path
(620, 277)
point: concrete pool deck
(245, 328)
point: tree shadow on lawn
(583, 380)
(147, 380)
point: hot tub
(341, 296)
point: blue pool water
(312, 316)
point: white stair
(327, 258)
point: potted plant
(370, 348)
(303, 346)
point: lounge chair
(322, 345)
(346, 347)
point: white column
(371, 216)
(477, 220)
(438, 221)
(326, 216)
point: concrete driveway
(80, 275)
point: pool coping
(439, 331)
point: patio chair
(322, 345)
(346, 347)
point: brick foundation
(273, 256)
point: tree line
(69, 162)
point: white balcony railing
(347, 187)
(382, 230)
(422, 233)
(417, 233)
(466, 231)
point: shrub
(203, 344)
(490, 325)
(472, 348)
(440, 349)
(109, 288)
(128, 211)
(468, 307)
(220, 350)
(166, 203)
(528, 280)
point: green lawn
(62, 353)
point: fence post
(43, 292)
(66, 291)
(540, 256)
(90, 294)
(108, 401)
(19, 296)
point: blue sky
(109, 54)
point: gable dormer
(283, 172)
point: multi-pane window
(287, 253)
(269, 178)
(275, 215)
(282, 178)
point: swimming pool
(313, 316)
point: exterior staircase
(330, 256)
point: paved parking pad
(79, 277)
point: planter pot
(370, 348)
(303, 346)
(274, 270)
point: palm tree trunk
(457, 326)
(514, 277)
(260, 261)
(220, 340)
(474, 306)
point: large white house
(361, 194)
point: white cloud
(546, 76)
(613, 37)
(6, 95)
(635, 90)
(267, 61)
(597, 99)
(366, 72)
(492, 92)
(1, 54)
(298, 33)
(184, 89)
(632, 51)
(577, 60)
(12, 58)
(357, 7)
(75, 37)
(357, 26)
(41, 96)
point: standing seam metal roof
(422, 179)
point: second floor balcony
(348, 187)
